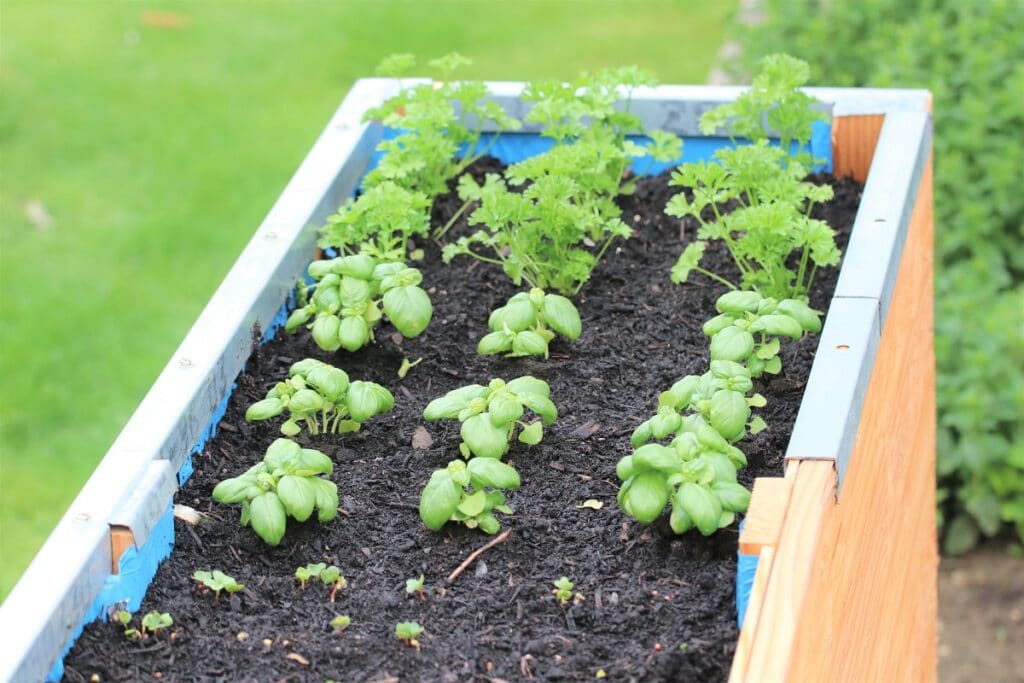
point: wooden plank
(741, 658)
(764, 517)
(853, 144)
(121, 538)
(811, 500)
(877, 593)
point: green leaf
(494, 343)
(326, 493)
(781, 325)
(734, 497)
(330, 382)
(679, 520)
(768, 350)
(625, 468)
(298, 318)
(656, 457)
(305, 402)
(353, 333)
(298, 496)
(733, 344)
(529, 385)
(809, 319)
(518, 314)
(268, 517)
(701, 505)
(529, 343)
(364, 400)
(232, 490)
(473, 504)
(539, 404)
(439, 500)
(483, 438)
(646, 497)
(409, 310)
(561, 315)
(532, 434)
(666, 422)
(493, 473)
(281, 452)
(738, 302)
(773, 366)
(688, 261)
(504, 409)
(489, 524)
(718, 323)
(961, 535)
(729, 414)
(451, 404)
(325, 332)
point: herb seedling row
(654, 606)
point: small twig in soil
(500, 538)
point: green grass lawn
(149, 149)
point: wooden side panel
(121, 538)
(763, 521)
(853, 144)
(741, 659)
(870, 615)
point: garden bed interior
(656, 606)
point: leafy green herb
(528, 322)
(340, 623)
(408, 632)
(489, 415)
(321, 397)
(351, 295)
(468, 493)
(563, 591)
(217, 581)
(379, 223)
(329, 575)
(151, 624)
(406, 366)
(286, 483)
(415, 586)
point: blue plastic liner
(746, 568)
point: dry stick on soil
(500, 538)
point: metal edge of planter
(56, 591)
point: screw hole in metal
(843, 347)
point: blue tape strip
(746, 568)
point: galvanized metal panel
(147, 501)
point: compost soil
(654, 607)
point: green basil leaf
(641, 435)
(729, 414)
(532, 434)
(354, 292)
(325, 332)
(451, 404)
(718, 323)
(298, 496)
(353, 333)
(327, 298)
(656, 457)
(679, 520)
(702, 506)
(330, 382)
(483, 438)
(541, 405)
(504, 409)
(318, 270)
(409, 310)
(305, 366)
(232, 490)
(290, 428)
(646, 497)
(773, 366)
(473, 504)
(493, 473)
(734, 497)
(359, 266)
(780, 325)
(809, 319)
(666, 422)
(561, 315)
(305, 402)
(282, 452)
(268, 517)
(738, 303)
(489, 524)
(326, 499)
(625, 468)
(517, 314)
(769, 349)
(732, 343)
(363, 400)
(439, 500)
(529, 343)
(529, 385)
(311, 462)
(264, 410)
(298, 318)
(494, 343)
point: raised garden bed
(643, 586)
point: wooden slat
(871, 615)
(764, 517)
(853, 144)
(741, 658)
(811, 500)
(121, 538)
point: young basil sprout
(340, 623)
(321, 397)
(563, 590)
(468, 493)
(287, 483)
(528, 322)
(217, 581)
(151, 624)
(415, 586)
(408, 632)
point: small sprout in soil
(469, 493)
(528, 322)
(408, 632)
(563, 591)
(601, 673)
(415, 587)
(340, 623)
(489, 415)
(683, 646)
(329, 575)
(151, 624)
(321, 397)
(407, 366)
(217, 581)
(287, 483)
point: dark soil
(656, 607)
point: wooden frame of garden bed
(844, 589)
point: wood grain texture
(121, 538)
(853, 144)
(741, 658)
(764, 517)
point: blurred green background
(142, 143)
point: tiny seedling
(563, 591)
(329, 575)
(406, 366)
(151, 624)
(528, 322)
(489, 415)
(409, 632)
(287, 483)
(216, 581)
(352, 293)
(459, 493)
(415, 587)
(340, 623)
(321, 397)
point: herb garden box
(840, 550)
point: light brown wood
(121, 538)
(763, 521)
(741, 658)
(853, 144)
(811, 501)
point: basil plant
(469, 493)
(321, 397)
(490, 415)
(528, 322)
(287, 483)
(352, 293)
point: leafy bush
(971, 56)
(528, 322)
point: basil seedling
(328, 575)
(563, 591)
(151, 624)
(217, 581)
(489, 415)
(340, 623)
(528, 322)
(468, 493)
(321, 397)
(287, 483)
(415, 587)
(350, 296)
(408, 632)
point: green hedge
(971, 56)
